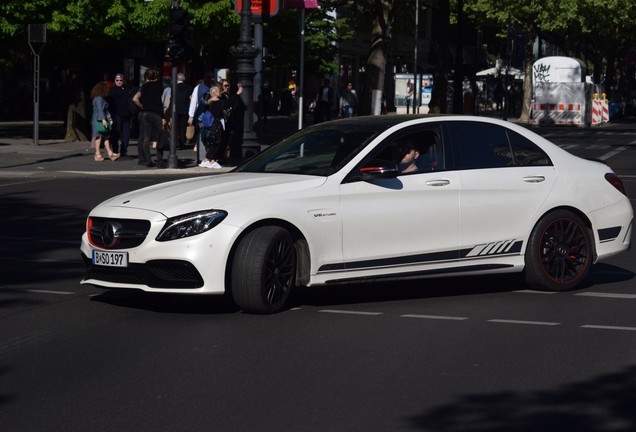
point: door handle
(534, 179)
(440, 182)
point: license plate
(110, 259)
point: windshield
(318, 150)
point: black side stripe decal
(508, 247)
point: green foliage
(90, 21)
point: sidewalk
(20, 157)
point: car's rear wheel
(263, 270)
(559, 253)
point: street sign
(267, 8)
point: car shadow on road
(167, 303)
(343, 294)
(412, 289)
(346, 294)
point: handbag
(190, 132)
(101, 129)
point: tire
(263, 270)
(559, 252)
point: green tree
(606, 39)
(529, 18)
(77, 29)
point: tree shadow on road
(605, 403)
(37, 241)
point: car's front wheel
(263, 270)
(559, 252)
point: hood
(216, 191)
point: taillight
(615, 181)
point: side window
(480, 145)
(418, 150)
(526, 152)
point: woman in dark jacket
(212, 138)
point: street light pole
(37, 39)
(415, 80)
(244, 52)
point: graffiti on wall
(541, 73)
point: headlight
(190, 224)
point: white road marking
(435, 317)
(335, 311)
(50, 292)
(529, 291)
(606, 295)
(613, 153)
(505, 321)
(602, 327)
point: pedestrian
(499, 97)
(182, 104)
(227, 109)
(196, 109)
(348, 101)
(236, 122)
(211, 134)
(119, 94)
(410, 90)
(324, 102)
(165, 95)
(148, 99)
(102, 121)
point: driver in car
(410, 153)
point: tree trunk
(441, 28)
(530, 35)
(376, 62)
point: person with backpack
(212, 129)
(196, 109)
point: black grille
(155, 274)
(112, 234)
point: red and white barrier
(560, 113)
(605, 110)
(597, 112)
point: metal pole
(258, 60)
(37, 39)
(244, 52)
(36, 98)
(173, 160)
(415, 80)
(301, 71)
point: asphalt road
(466, 354)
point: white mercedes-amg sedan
(363, 199)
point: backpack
(206, 118)
(202, 89)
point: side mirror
(377, 169)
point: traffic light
(179, 31)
